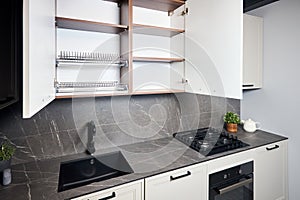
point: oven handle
(234, 186)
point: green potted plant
(7, 150)
(232, 120)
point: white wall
(277, 105)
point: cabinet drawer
(130, 191)
(229, 161)
(272, 148)
(170, 185)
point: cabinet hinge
(185, 12)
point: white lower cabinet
(186, 183)
(129, 191)
(270, 166)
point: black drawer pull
(113, 195)
(272, 148)
(248, 85)
(188, 173)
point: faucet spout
(91, 133)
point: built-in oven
(235, 183)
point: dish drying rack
(91, 58)
(70, 87)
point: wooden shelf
(141, 92)
(154, 59)
(156, 30)
(85, 25)
(88, 95)
(162, 5)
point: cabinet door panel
(213, 47)
(38, 55)
(177, 50)
(180, 184)
(253, 46)
(130, 191)
(270, 178)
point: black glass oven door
(241, 190)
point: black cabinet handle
(113, 195)
(188, 173)
(248, 85)
(272, 148)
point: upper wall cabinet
(92, 48)
(253, 47)
(75, 48)
(214, 41)
(158, 45)
(38, 55)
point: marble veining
(60, 128)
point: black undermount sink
(80, 172)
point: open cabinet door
(38, 55)
(213, 47)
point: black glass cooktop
(209, 141)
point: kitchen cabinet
(130, 47)
(38, 55)
(92, 48)
(253, 52)
(188, 182)
(129, 191)
(270, 166)
(156, 34)
(213, 47)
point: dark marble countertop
(39, 180)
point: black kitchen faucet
(90, 141)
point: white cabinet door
(213, 47)
(187, 183)
(38, 55)
(253, 47)
(270, 172)
(130, 191)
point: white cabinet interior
(270, 168)
(253, 47)
(129, 191)
(153, 57)
(88, 56)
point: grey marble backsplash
(61, 127)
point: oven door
(237, 189)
